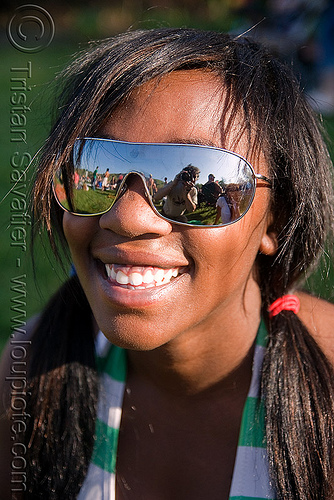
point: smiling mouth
(140, 277)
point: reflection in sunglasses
(208, 186)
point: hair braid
(298, 386)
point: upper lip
(141, 258)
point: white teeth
(140, 278)
(113, 273)
(110, 272)
(122, 278)
(168, 275)
(148, 276)
(159, 275)
(135, 279)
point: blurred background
(36, 43)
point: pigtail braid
(63, 386)
(298, 386)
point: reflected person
(180, 194)
(211, 191)
(223, 210)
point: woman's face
(214, 267)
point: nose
(132, 215)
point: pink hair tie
(285, 303)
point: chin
(133, 333)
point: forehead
(188, 106)
(182, 104)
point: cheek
(79, 232)
(228, 254)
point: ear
(269, 241)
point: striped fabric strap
(250, 476)
(100, 480)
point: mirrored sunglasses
(186, 184)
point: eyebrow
(174, 140)
(194, 140)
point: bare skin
(180, 446)
(189, 360)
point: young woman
(216, 379)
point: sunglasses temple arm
(261, 177)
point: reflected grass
(90, 202)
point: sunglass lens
(79, 196)
(194, 185)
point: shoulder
(221, 201)
(318, 316)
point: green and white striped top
(250, 476)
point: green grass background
(45, 65)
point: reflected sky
(162, 160)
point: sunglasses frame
(257, 177)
